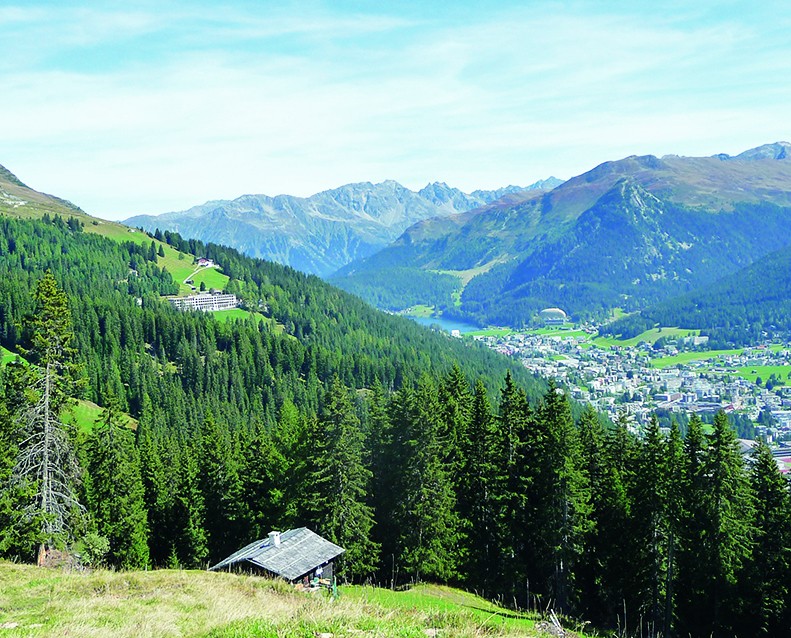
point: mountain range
(323, 232)
(626, 234)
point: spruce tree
(115, 489)
(728, 541)
(263, 475)
(650, 529)
(221, 489)
(456, 405)
(385, 466)
(600, 574)
(340, 480)
(189, 511)
(428, 521)
(477, 503)
(692, 563)
(766, 586)
(45, 458)
(514, 466)
(559, 501)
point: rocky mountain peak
(776, 151)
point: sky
(149, 107)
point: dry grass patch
(157, 604)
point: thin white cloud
(511, 98)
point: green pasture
(689, 357)
(84, 414)
(420, 310)
(6, 356)
(440, 601)
(237, 313)
(781, 372)
(650, 336)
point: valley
(211, 428)
(663, 371)
(631, 233)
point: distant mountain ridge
(321, 233)
(627, 233)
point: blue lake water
(446, 324)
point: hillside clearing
(51, 602)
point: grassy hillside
(50, 602)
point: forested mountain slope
(741, 308)
(627, 233)
(321, 233)
(316, 410)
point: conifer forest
(425, 458)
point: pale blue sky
(157, 106)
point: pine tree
(263, 474)
(728, 539)
(340, 480)
(716, 530)
(115, 489)
(692, 565)
(428, 522)
(563, 488)
(45, 457)
(650, 529)
(675, 484)
(221, 489)
(477, 503)
(766, 587)
(514, 466)
(456, 405)
(385, 467)
(601, 572)
(189, 511)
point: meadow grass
(689, 357)
(85, 413)
(751, 373)
(420, 310)
(50, 602)
(6, 356)
(237, 313)
(651, 336)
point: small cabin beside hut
(294, 555)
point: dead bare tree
(45, 458)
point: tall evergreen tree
(477, 503)
(115, 489)
(675, 484)
(650, 529)
(427, 518)
(456, 405)
(221, 489)
(601, 572)
(189, 511)
(514, 465)
(45, 454)
(728, 542)
(561, 497)
(340, 481)
(766, 585)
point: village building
(553, 316)
(295, 555)
(207, 302)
